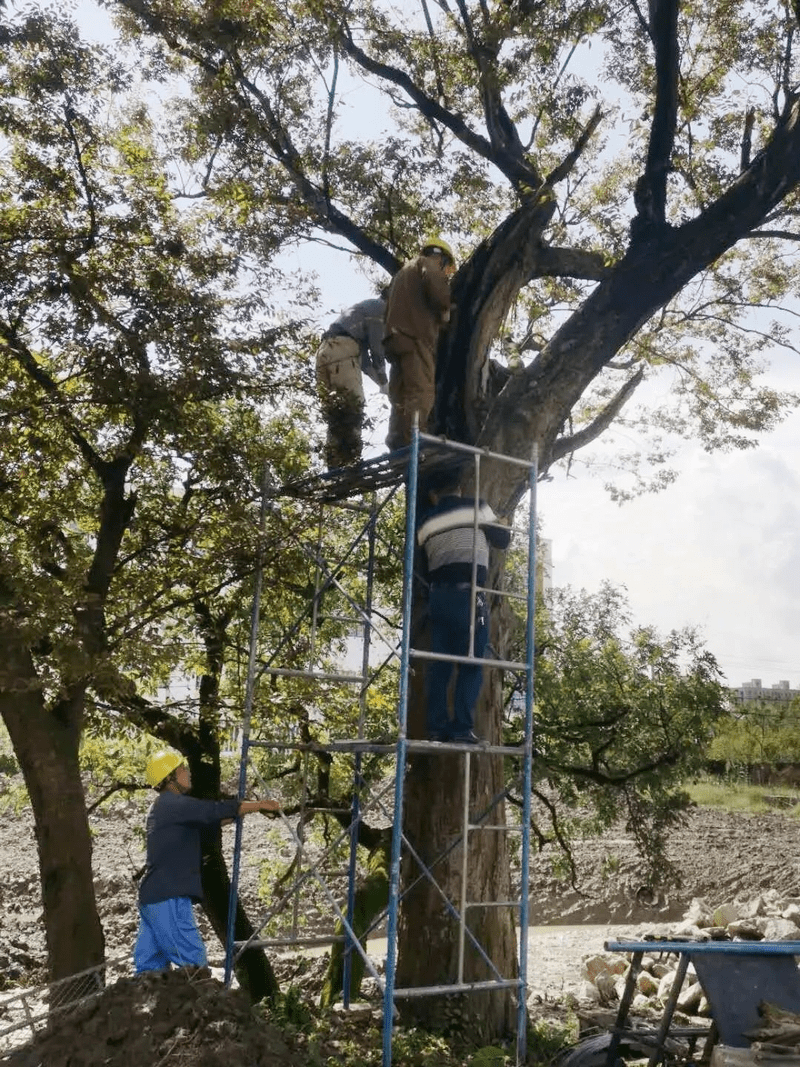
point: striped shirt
(452, 540)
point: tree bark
(253, 969)
(428, 933)
(46, 742)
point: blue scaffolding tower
(396, 750)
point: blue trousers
(168, 934)
(449, 607)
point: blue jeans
(449, 607)
(168, 934)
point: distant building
(753, 692)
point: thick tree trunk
(253, 970)
(46, 744)
(428, 933)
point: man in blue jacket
(171, 884)
(455, 534)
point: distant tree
(623, 716)
(132, 365)
(759, 732)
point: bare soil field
(720, 856)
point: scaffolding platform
(377, 759)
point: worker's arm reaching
(248, 806)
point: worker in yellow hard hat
(171, 884)
(418, 309)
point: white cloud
(718, 550)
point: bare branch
(326, 156)
(566, 445)
(749, 119)
(650, 196)
(517, 169)
(434, 54)
(565, 166)
(127, 787)
(782, 235)
(69, 119)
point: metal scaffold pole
(318, 870)
(402, 715)
(247, 716)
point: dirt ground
(720, 856)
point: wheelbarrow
(736, 976)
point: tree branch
(503, 136)
(565, 445)
(324, 213)
(23, 355)
(518, 170)
(650, 195)
(565, 166)
(749, 120)
(553, 262)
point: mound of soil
(175, 1019)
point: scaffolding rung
(484, 826)
(494, 904)
(504, 664)
(355, 745)
(319, 676)
(462, 987)
(455, 746)
(276, 942)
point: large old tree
(621, 179)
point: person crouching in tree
(171, 884)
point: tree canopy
(621, 186)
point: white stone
(755, 906)
(665, 986)
(792, 913)
(699, 912)
(646, 984)
(640, 1001)
(725, 914)
(689, 999)
(746, 929)
(660, 969)
(605, 986)
(779, 929)
(588, 992)
(592, 966)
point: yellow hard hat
(438, 245)
(161, 766)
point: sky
(717, 550)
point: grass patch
(750, 799)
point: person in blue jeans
(455, 533)
(171, 884)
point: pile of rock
(767, 917)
